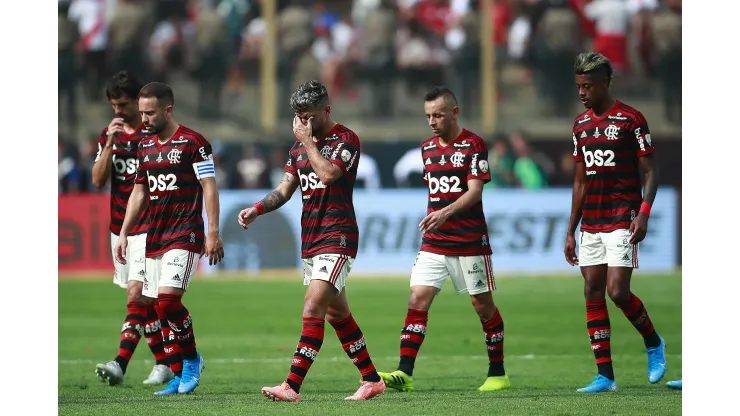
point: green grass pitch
(247, 330)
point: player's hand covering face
(303, 128)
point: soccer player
(116, 159)
(323, 162)
(455, 240)
(176, 175)
(613, 152)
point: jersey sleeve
(643, 141)
(478, 168)
(345, 153)
(140, 171)
(290, 165)
(102, 140)
(423, 166)
(202, 157)
(577, 153)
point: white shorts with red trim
(469, 274)
(612, 248)
(332, 268)
(174, 268)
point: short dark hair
(159, 90)
(440, 91)
(123, 84)
(309, 96)
(591, 63)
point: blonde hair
(590, 62)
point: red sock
(153, 334)
(169, 341)
(312, 337)
(599, 331)
(412, 336)
(353, 342)
(131, 333)
(181, 323)
(494, 330)
(635, 311)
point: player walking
(612, 146)
(323, 161)
(116, 159)
(175, 173)
(455, 241)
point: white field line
(287, 359)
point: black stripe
(136, 317)
(354, 336)
(315, 342)
(364, 363)
(410, 344)
(612, 205)
(298, 370)
(597, 323)
(128, 345)
(607, 220)
(602, 353)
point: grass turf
(247, 331)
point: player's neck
(604, 107)
(133, 126)
(168, 131)
(450, 137)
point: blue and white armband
(204, 169)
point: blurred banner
(84, 233)
(527, 232)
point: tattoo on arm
(273, 200)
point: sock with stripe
(131, 333)
(494, 330)
(635, 311)
(169, 341)
(181, 323)
(353, 342)
(412, 336)
(599, 331)
(153, 334)
(312, 337)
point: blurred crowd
(417, 43)
(345, 43)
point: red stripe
(337, 269)
(489, 273)
(635, 259)
(188, 267)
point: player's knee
(421, 297)
(619, 295)
(594, 291)
(335, 315)
(168, 304)
(134, 293)
(484, 307)
(314, 309)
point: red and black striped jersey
(123, 173)
(610, 146)
(173, 170)
(447, 170)
(328, 223)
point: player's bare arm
(214, 248)
(576, 210)
(649, 170)
(103, 164)
(327, 172)
(471, 197)
(133, 212)
(272, 201)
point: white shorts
(135, 256)
(332, 268)
(469, 274)
(174, 268)
(612, 248)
